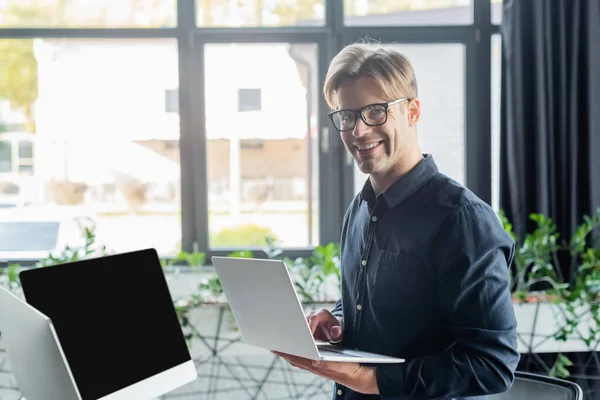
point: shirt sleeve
(473, 254)
(337, 310)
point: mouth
(366, 149)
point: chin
(366, 167)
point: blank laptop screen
(114, 317)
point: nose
(360, 128)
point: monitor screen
(114, 317)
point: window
(408, 12)
(172, 101)
(496, 76)
(249, 100)
(5, 157)
(24, 236)
(26, 159)
(87, 14)
(268, 189)
(94, 149)
(25, 149)
(90, 113)
(496, 12)
(225, 13)
(441, 130)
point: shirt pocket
(400, 282)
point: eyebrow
(361, 107)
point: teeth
(366, 147)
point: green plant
(272, 249)
(583, 297)
(19, 76)
(69, 254)
(210, 290)
(535, 258)
(9, 277)
(538, 274)
(193, 260)
(310, 275)
(242, 236)
(241, 254)
(559, 369)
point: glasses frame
(360, 111)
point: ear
(414, 111)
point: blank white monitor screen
(114, 318)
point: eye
(345, 116)
(375, 112)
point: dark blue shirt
(425, 277)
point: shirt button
(358, 307)
(374, 218)
(339, 392)
(364, 262)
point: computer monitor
(116, 323)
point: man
(424, 262)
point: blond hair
(385, 64)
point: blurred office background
(200, 125)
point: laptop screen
(114, 317)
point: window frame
(336, 179)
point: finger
(323, 334)
(318, 331)
(327, 319)
(319, 326)
(313, 322)
(336, 332)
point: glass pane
(26, 169)
(227, 13)
(408, 12)
(496, 12)
(105, 145)
(25, 149)
(441, 129)
(262, 161)
(88, 14)
(28, 236)
(496, 76)
(5, 156)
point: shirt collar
(405, 186)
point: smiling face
(378, 150)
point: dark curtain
(550, 129)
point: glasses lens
(343, 120)
(375, 114)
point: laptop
(34, 352)
(269, 314)
(114, 320)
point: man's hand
(325, 326)
(359, 378)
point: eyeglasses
(372, 115)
